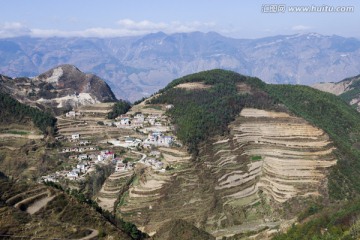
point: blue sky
(110, 18)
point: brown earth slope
(240, 182)
(37, 211)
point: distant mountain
(348, 89)
(138, 66)
(60, 88)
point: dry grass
(193, 86)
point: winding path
(92, 235)
(142, 154)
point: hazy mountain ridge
(60, 88)
(138, 66)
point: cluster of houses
(159, 139)
(84, 165)
(151, 124)
(72, 114)
(105, 155)
(139, 120)
(50, 178)
(81, 168)
(78, 149)
(84, 143)
(154, 163)
(120, 166)
(153, 139)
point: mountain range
(138, 66)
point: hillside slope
(38, 211)
(13, 111)
(261, 155)
(25, 133)
(59, 89)
(348, 89)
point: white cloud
(300, 28)
(175, 26)
(90, 32)
(142, 25)
(125, 27)
(13, 29)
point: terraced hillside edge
(261, 154)
(38, 211)
(337, 119)
(13, 111)
(348, 89)
(26, 131)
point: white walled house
(72, 175)
(170, 106)
(83, 157)
(139, 117)
(75, 136)
(125, 121)
(70, 114)
(158, 139)
(120, 167)
(151, 121)
(117, 124)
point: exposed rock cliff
(62, 87)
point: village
(142, 134)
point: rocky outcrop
(60, 88)
(334, 88)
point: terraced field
(87, 124)
(238, 181)
(33, 200)
(41, 212)
(268, 158)
(111, 188)
(156, 197)
(292, 155)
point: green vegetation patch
(355, 89)
(17, 132)
(350, 95)
(123, 199)
(120, 107)
(201, 113)
(154, 107)
(255, 158)
(12, 111)
(333, 223)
